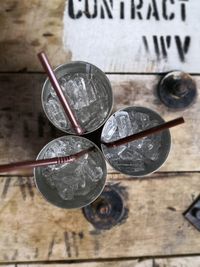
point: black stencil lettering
(122, 10)
(164, 51)
(145, 42)
(88, 14)
(183, 10)
(156, 46)
(153, 11)
(168, 40)
(134, 8)
(106, 9)
(165, 14)
(161, 45)
(71, 10)
(183, 47)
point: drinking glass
(140, 157)
(72, 184)
(88, 92)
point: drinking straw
(43, 162)
(54, 82)
(145, 133)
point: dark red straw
(43, 162)
(144, 133)
(48, 69)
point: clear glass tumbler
(140, 157)
(73, 184)
(88, 92)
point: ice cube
(93, 171)
(109, 129)
(151, 147)
(131, 155)
(123, 123)
(77, 92)
(56, 113)
(143, 120)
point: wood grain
(131, 263)
(171, 262)
(97, 264)
(24, 129)
(33, 230)
(27, 27)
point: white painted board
(134, 35)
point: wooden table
(35, 233)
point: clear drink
(74, 184)
(140, 157)
(88, 92)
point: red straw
(144, 133)
(43, 162)
(48, 69)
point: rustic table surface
(154, 232)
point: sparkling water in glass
(74, 184)
(88, 92)
(140, 157)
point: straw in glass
(54, 82)
(145, 133)
(43, 162)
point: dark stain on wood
(155, 264)
(51, 245)
(35, 42)
(5, 257)
(75, 245)
(41, 124)
(81, 235)
(171, 208)
(48, 34)
(36, 253)
(11, 7)
(22, 187)
(129, 93)
(96, 246)
(19, 21)
(23, 70)
(14, 257)
(67, 244)
(6, 187)
(30, 186)
(26, 131)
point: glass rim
(167, 151)
(105, 176)
(56, 69)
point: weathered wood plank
(33, 230)
(178, 262)
(24, 129)
(131, 263)
(170, 262)
(28, 27)
(142, 37)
